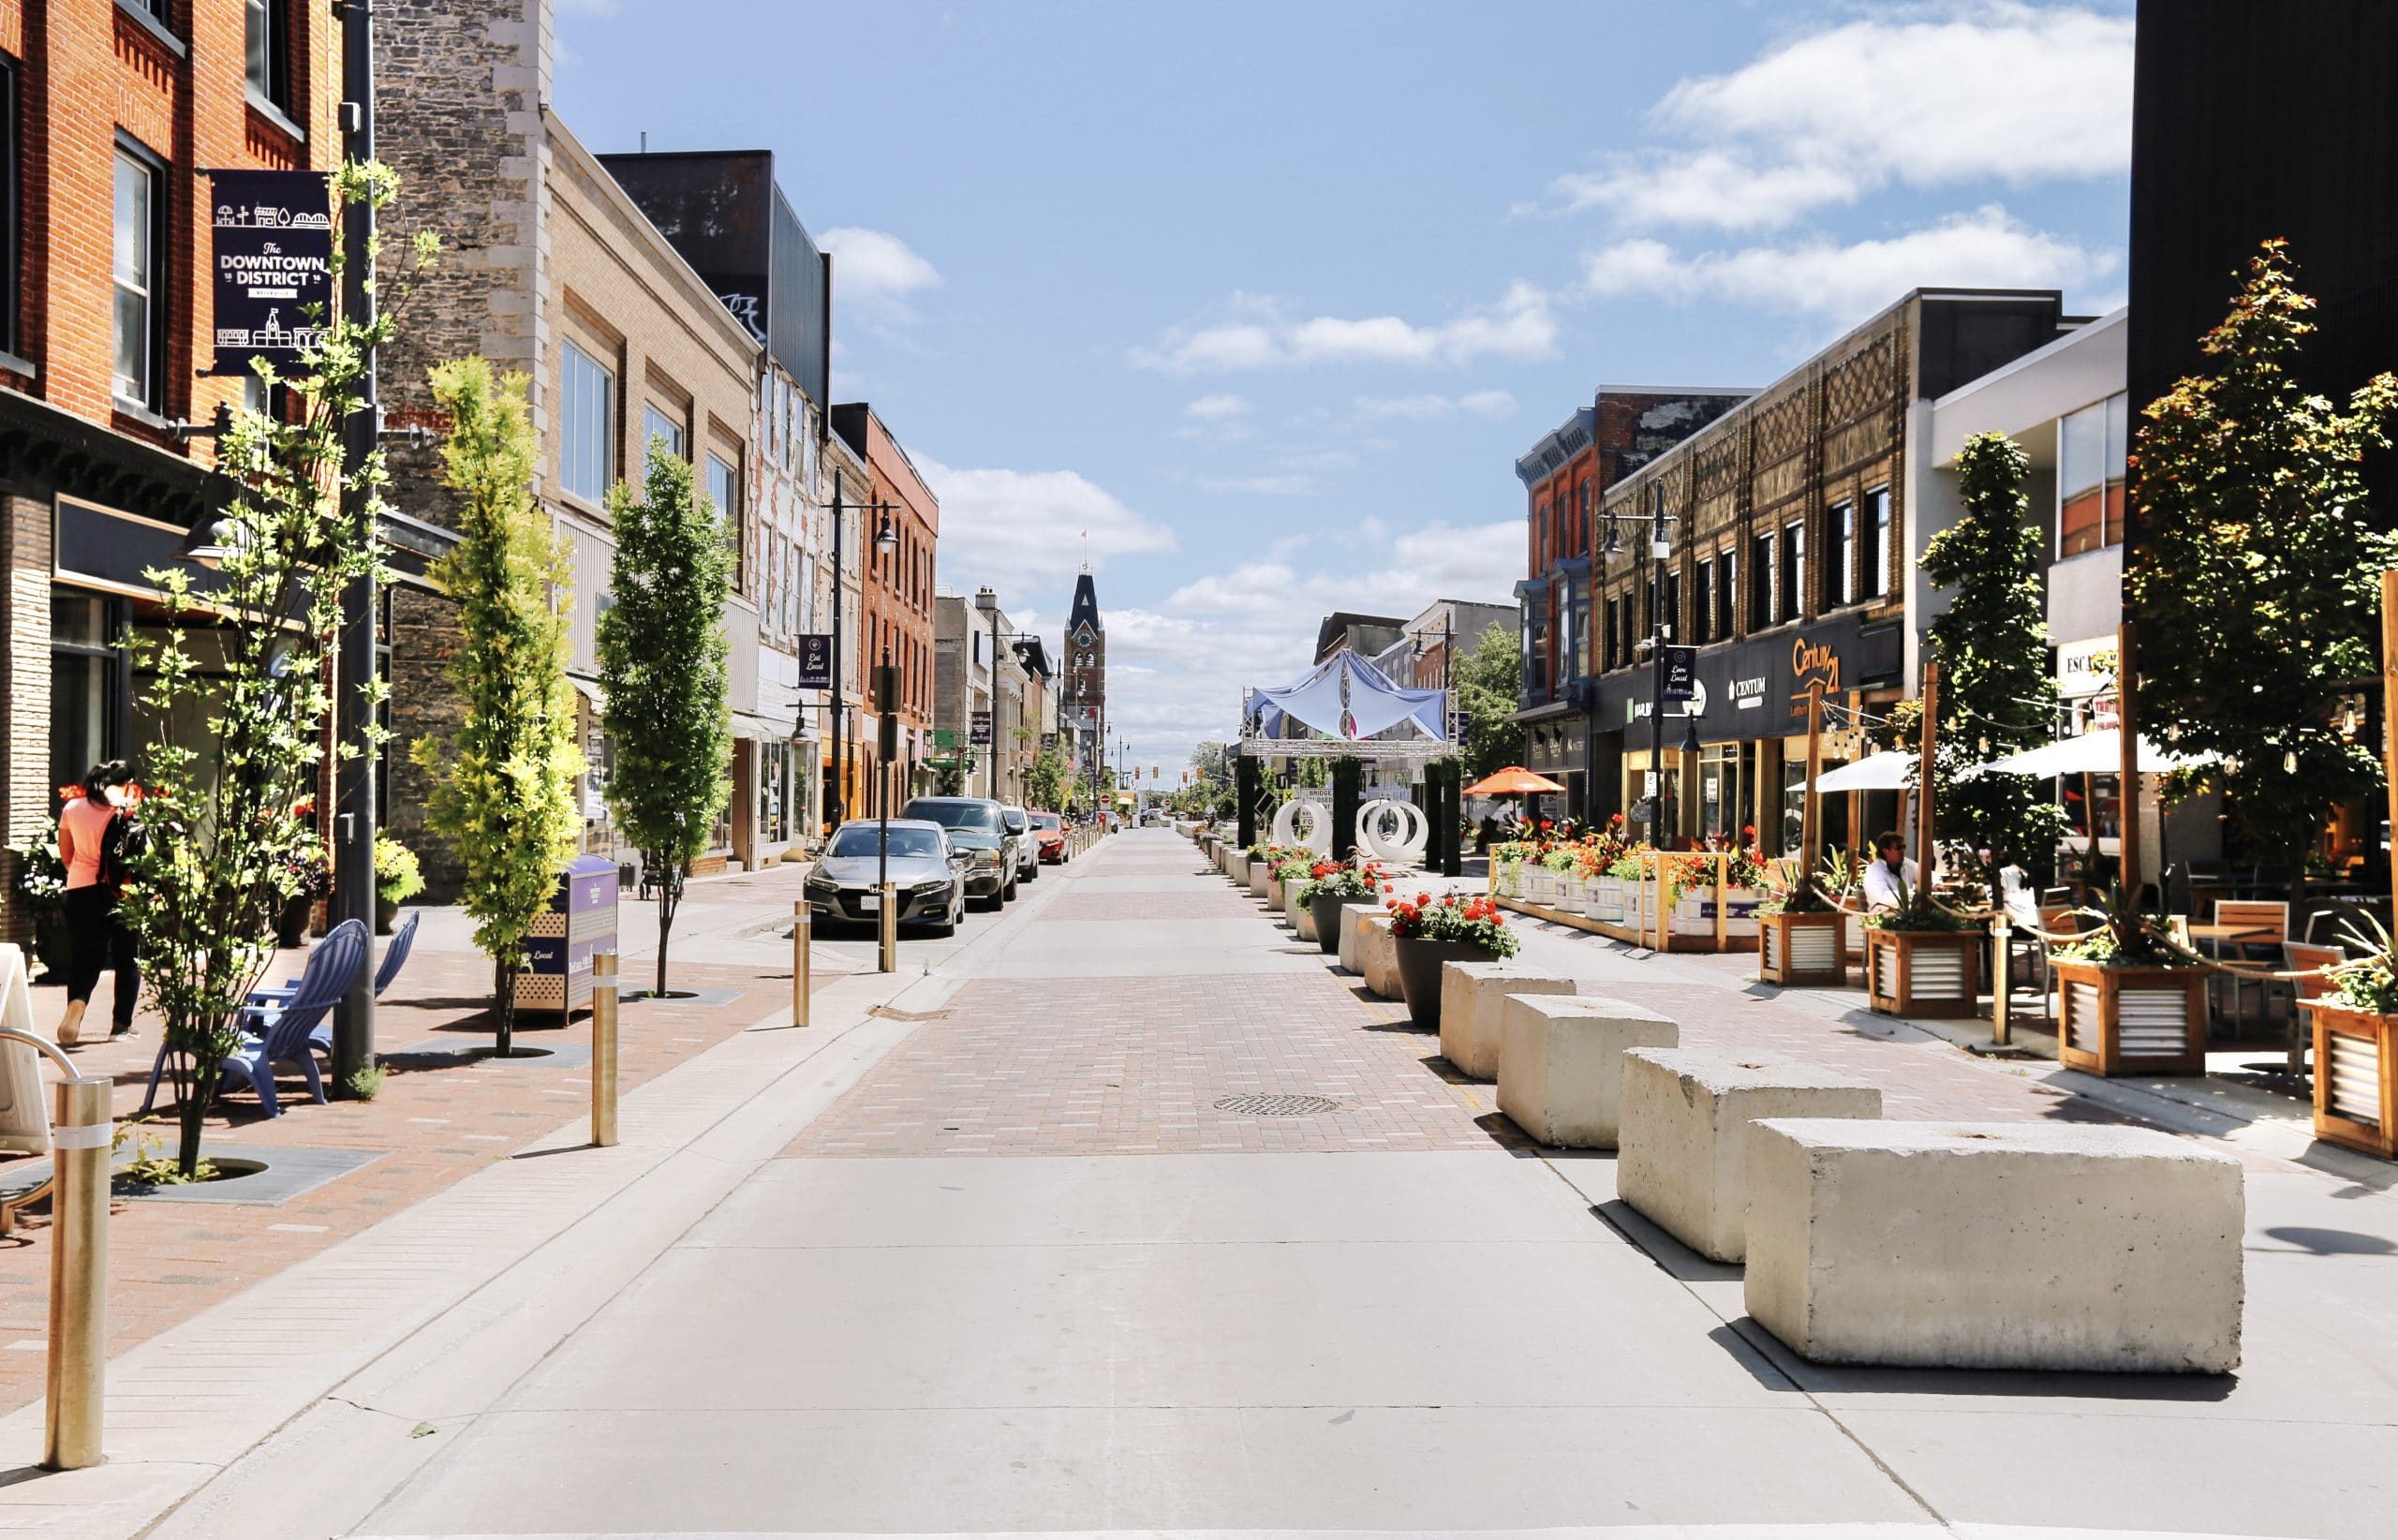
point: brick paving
(1216, 903)
(435, 1121)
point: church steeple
(1085, 610)
(1086, 657)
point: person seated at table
(1891, 876)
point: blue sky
(1269, 296)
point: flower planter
(1324, 910)
(1695, 914)
(1565, 892)
(1923, 972)
(1419, 974)
(2131, 1020)
(1295, 915)
(1803, 949)
(1237, 867)
(1602, 899)
(2356, 1088)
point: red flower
(1423, 897)
(68, 793)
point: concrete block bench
(1473, 1000)
(1236, 866)
(1560, 1064)
(1353, 920)
(1995, 1246)
(1688, 1118)
(1378, 958)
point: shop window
(1761, 571)
(1793, 570)
(1727, 615)
(268, 40)
(1702, 601)
(2093, 447)
(775, 802)
(1719, 788)
(88, 694)
(587, 425)
(140, 271)
(1874, 552)
(1840, 554)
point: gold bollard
(802, 925)
(603, 1049)
(79, 1274)
(887, 953)
(2001, 992)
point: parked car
(1049, 836)
(928, 873)
(1027, 850)
(975, 827)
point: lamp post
(1660, 549)
(886, 691)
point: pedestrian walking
(91, 843)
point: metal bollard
(887, 950)
(603, 1049)
(803, 926)
(79, 1273)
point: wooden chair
(2270, 917)
(2303, 957)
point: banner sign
(816, 660)
(982, 727)
(273, 260)
(945, 739)
(1681, 672)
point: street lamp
(1660, 549)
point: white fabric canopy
(1883, 772)
(1348, 699)
(2096, 753)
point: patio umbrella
(1889, 771)
(2095, 753)
(1514, 782)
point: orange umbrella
(1514, 782)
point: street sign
(1682, 673)
(945, 739)
(273, 245)
(982, 727)
(816, 660)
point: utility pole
(833, 803)
(353, 896)
(1659, 806)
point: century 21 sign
(1812, 662)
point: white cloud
(876, 271)
(1258, 335)
(1848, 280)
(1923, 96)
(1021, 530)
(1425, 408)
(1216, 409)
(1291, 484)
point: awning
(1889, 771)
(2095, 753)
(590, 690)
(748, 724)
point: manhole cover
(1278, 1106)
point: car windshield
(1046, 821)
(862, 839)
(980, 816)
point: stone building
(557, 274)
(961, 686)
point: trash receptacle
(580, 921)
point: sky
(1253, 305)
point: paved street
(994, 1260)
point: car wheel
(1007, 894)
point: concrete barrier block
(1260, 876)
(1686, 1125)
(1353, 920)
(1473, 1002)
(1560, 1064)
(1995, 1246)
(1237, 865)
(1378, 957)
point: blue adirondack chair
(395, 956)
(279, 1031)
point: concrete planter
(1602, 899)
(1323, 913)
(1565, 892)
(2131, 1020)
(1803, 949)
(2356, 1090)
(1237, 867)
(1274, 893)
(1302, 916)
(1923, 972)
(1260, 874)
(1419, 974)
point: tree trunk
(188, 1116)
(667, 899)
(504, 1002)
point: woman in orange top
(95, 939)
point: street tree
(1998, 695)
(238, 686)
(503, 789)
(1488, 683)
(1045, 784)
(2255, 575)
(664, 667)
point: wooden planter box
(2131, 1020)
(1923, 972)
(1803, 949)
(2356, 1088)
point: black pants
(96, 940)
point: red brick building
(897, 589)
(110, 112)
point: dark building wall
(2258, 118)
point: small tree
(663, 665)
(1488, 682)
(1045, 784)
(503, 791)
(222, 836)
(1997, 694)
(2255, 577)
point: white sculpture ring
(1414, 830)
(1318, 832)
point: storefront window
(774, 794)
(87, 695)
(1721, 773)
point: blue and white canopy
(1346, 699)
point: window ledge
(154, 27)
(137, 413)
(15, 366)
(274, 117)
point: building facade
(897, 587)
(961, 690)
(1083, 687)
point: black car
(926, 872)
(976, 828)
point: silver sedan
(927, 876)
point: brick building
(896, 589)
(554, 272)
(113, 115)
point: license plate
(869, 902)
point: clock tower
(1086, 676)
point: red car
(1049, 836)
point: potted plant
(1332, 885)
(1260, 867)
(1635, 896)
(1802, 936)
(306, 879)
(1693, 897)
(1922, 959)
(2356, 1036)
(1563, 865)
(2128, 1001)
(1507, 859)
(398, 878)
(1428, 932)
(1601, 896)
(1293, 871)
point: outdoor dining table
(2212, 939)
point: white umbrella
(2099, 752)
(1883, 772)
